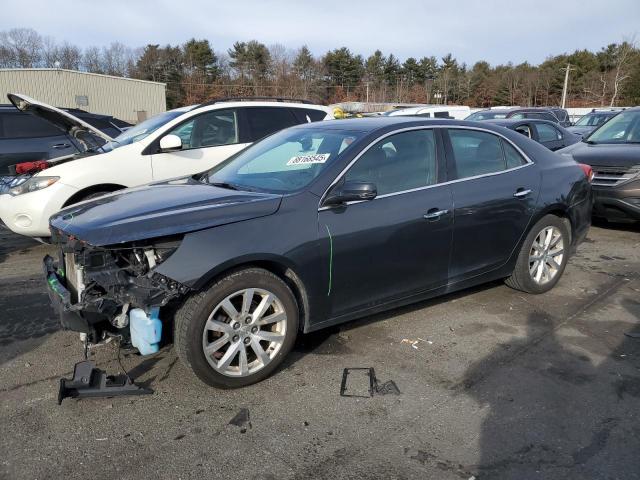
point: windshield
(284, 162)
(593, 119)
(143, 129)
(486, 115)
(623, 128)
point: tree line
(195, 72)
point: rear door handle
(521, 192)
(61, 145)
(435, 214)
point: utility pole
(367, 92)
(567, 69)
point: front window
(143, 129)
(209, 129)
(623, 128)
(404, 161)
(286, 161)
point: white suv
(179, 142)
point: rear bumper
(618, 203)
(580, 218)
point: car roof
(514, 121)
(260, 103)
(372, 124)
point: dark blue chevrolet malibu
(313, 226)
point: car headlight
(32, 185)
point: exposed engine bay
(99, 287)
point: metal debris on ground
(366, 384)
(414, 343)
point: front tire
(543, 256)
(239, 330)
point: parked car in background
(26, 138)
(458, 112)
(592, 120)
(547, 133)
(613, 151)
(179, 142)
(314, 226)
(553, 114)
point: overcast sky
(494, 30)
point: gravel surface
(493, 383)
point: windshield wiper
(227, 185)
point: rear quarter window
(304, 115)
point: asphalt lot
(500, 384)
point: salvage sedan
(311, 227)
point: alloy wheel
(546, 255)
(244, 332)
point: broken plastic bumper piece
(89, 381)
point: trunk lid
(79, 129)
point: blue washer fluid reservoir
(146, 330)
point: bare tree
(622, 61)
(20, 48)
(92, 60)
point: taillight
(28, 167)
(588, 171)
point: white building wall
(125, 98)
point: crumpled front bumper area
(98, 290)
(71, 318)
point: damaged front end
(112, 291)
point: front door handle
(61, 145)
(435, 214)
(521, 192)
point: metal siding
(120, 97)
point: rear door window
(263, 121)
(23, 125)
(547, 133)
(475, 153)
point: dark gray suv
(26, 138)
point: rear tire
(239, 330)
(543, 256)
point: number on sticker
(307, 159)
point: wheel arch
(102, 187)
(279, 266)
(559, 210)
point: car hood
(79, 129)
(614, 155)
(168, 208)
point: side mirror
(170, 143)
(350, 192)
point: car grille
(613, 176)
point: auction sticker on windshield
(306, 159)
